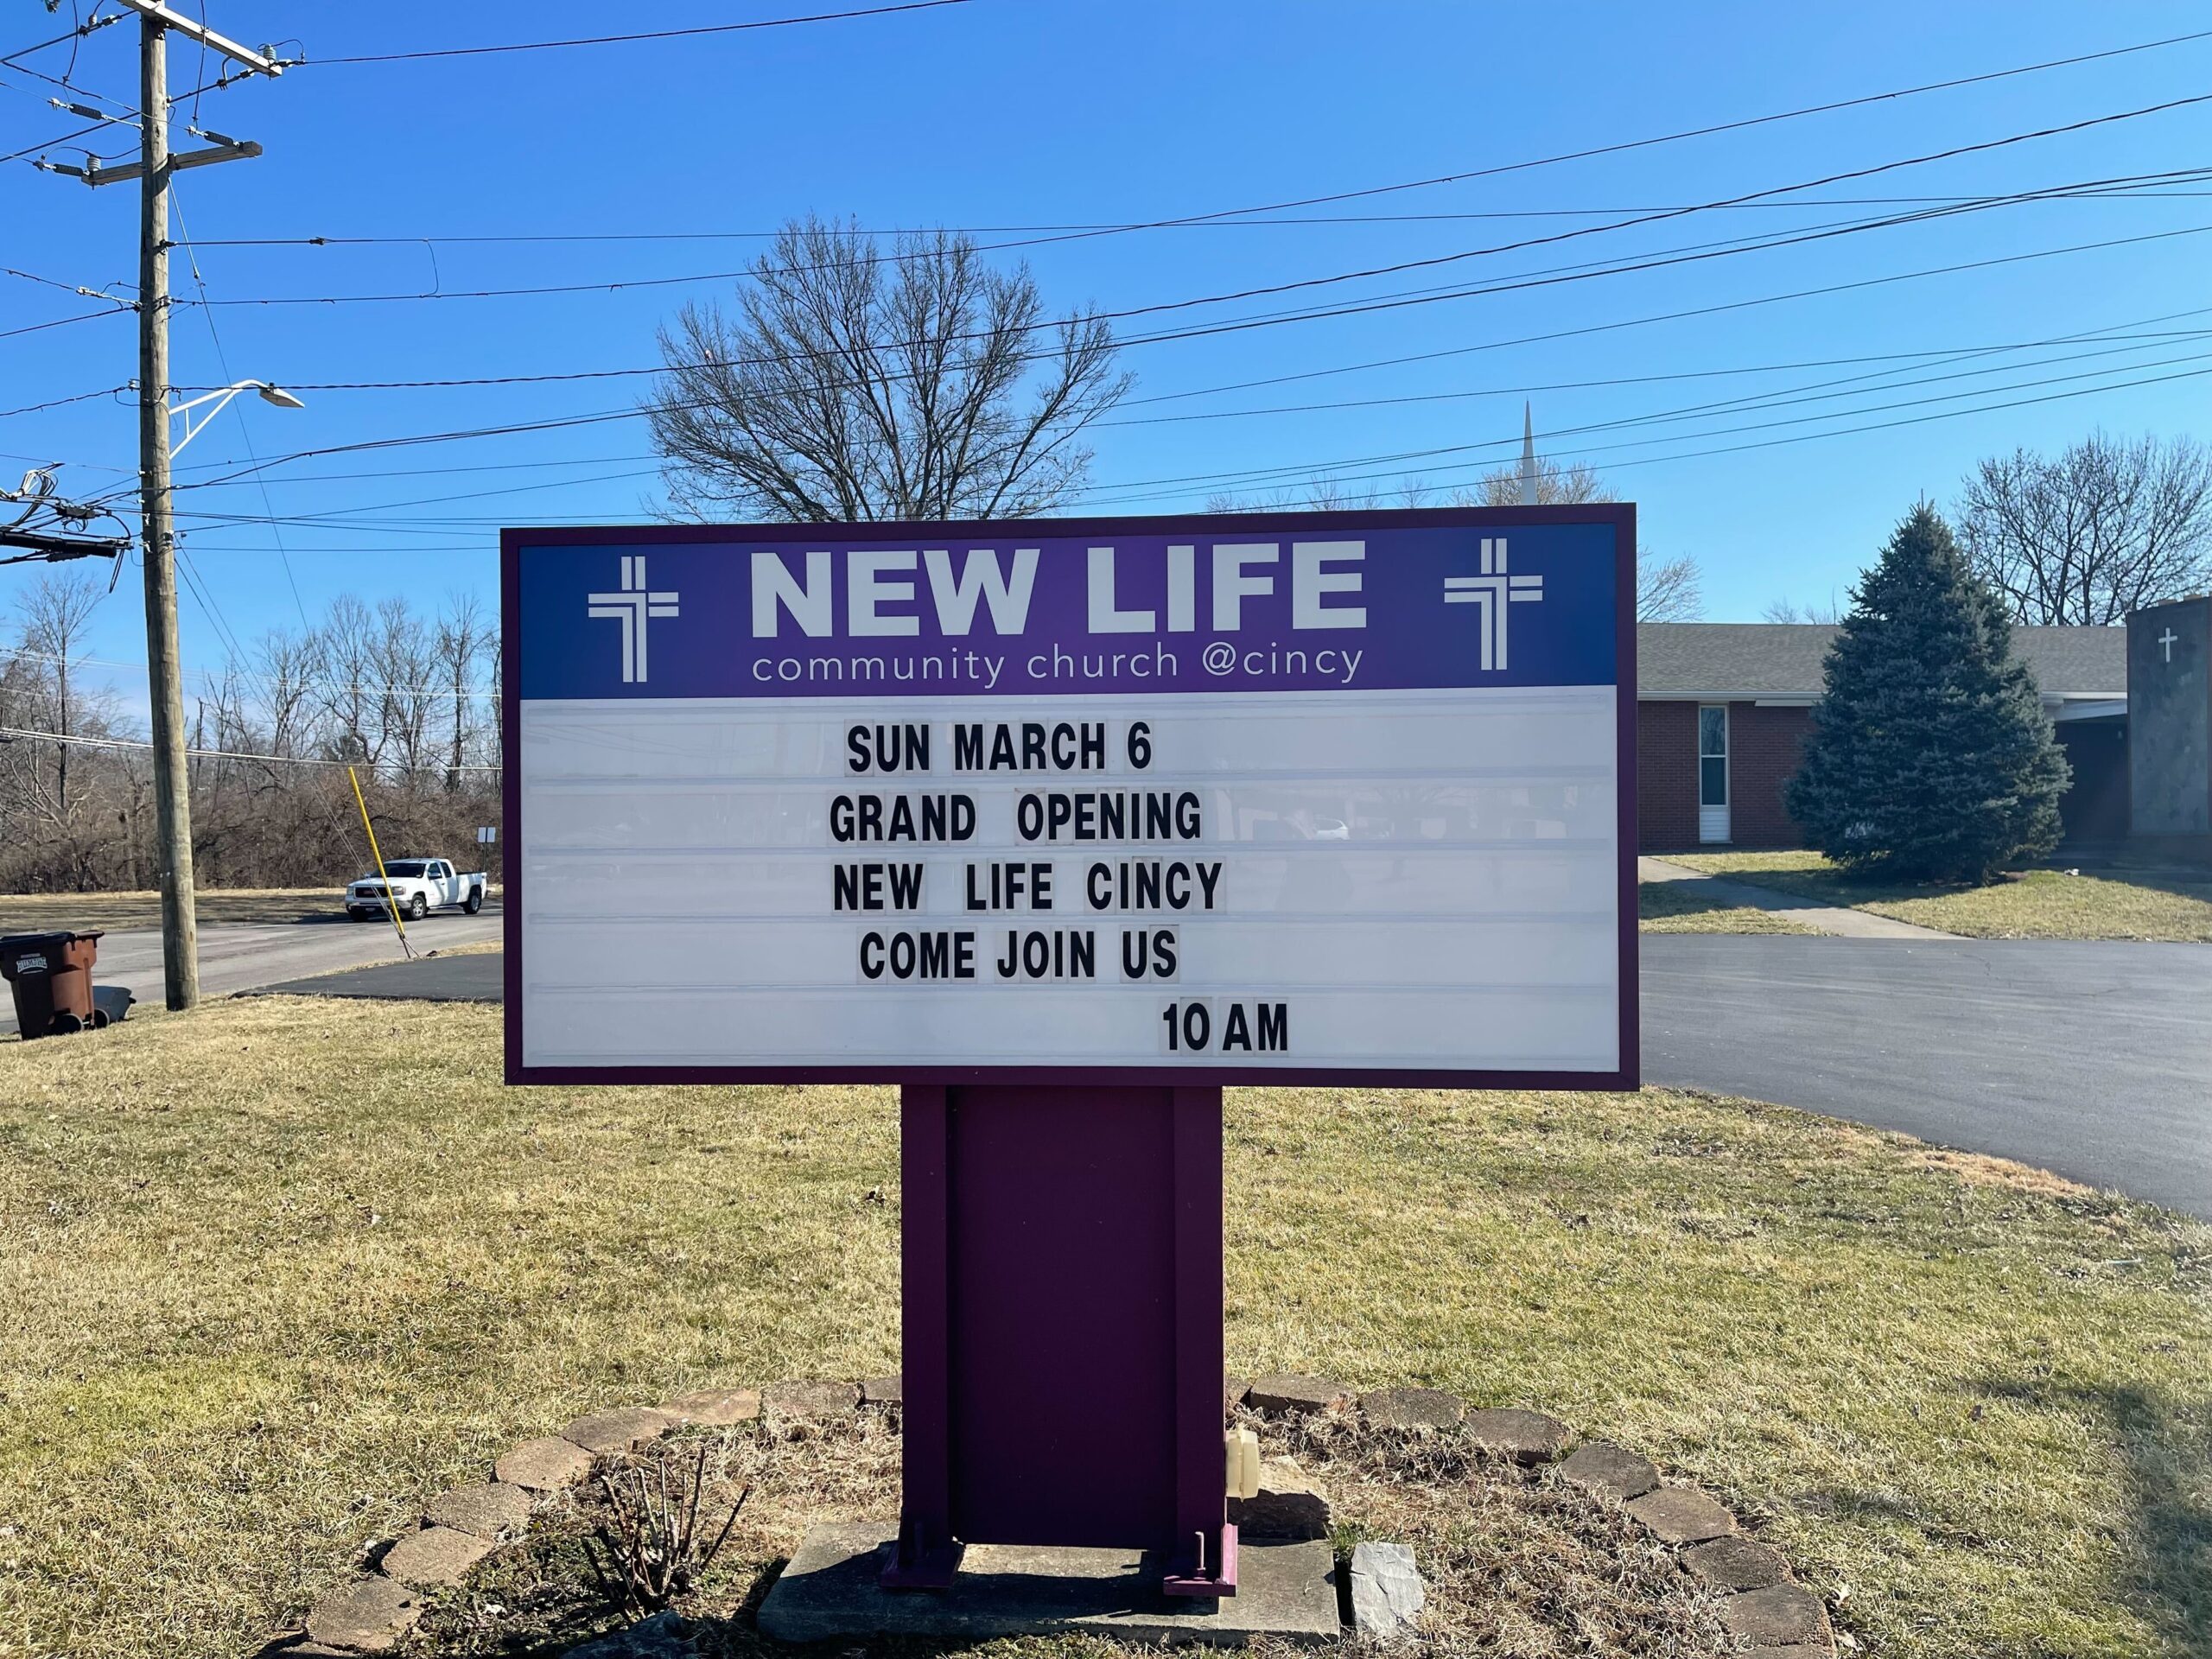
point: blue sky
(1021, 113)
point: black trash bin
(51, 974)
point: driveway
(245, 956)
(2093, 1060)
(2090, 1059)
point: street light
(270, 392)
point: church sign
(1311, 798)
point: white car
(419, 886)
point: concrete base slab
(829, 1592)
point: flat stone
(490, 1509)
(609, 1434)
(805, 1398)
(1412, 1408)
(1290, 1504)
(435, 1555)
(1387, 1592)
(369, 1616)
(1609, 1471)
(666, 1635)
(544, 1464)
(1296, 1393)
(714, 1407)
(829, 1593)
(1233, 1390)
(884, 1391)
(1681, 1515)
(1734, 1563)
(1523, 1436)
(1780, 1613)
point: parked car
(419, 886)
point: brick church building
(1723, 708)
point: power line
(1693, 454)
(25, 51)
(222, 361)
(1311, 469)
(1817, 392)
(1907, 358)
(1330, 279)
(1954, 353)
(63, 322)
(601, 417)
(1720, 309)
(632, 412)
(1251, 476)
(1581, 271)
(649, 35)
(1949, 352)
(1560, 158)
(57, 403)
(16, 732)
(625, 415)
(234, 669)
(54, 143)
(1334, 221)
(1094, 499)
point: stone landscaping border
(1764, 1608)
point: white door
(1713, 773)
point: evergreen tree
(1931, 756)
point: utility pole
(157, 528)
(157, 534)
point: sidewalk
(1841, 921)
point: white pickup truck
(418, 886)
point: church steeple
(1530, 476)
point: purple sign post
(1062, 825)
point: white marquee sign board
(1322, 797)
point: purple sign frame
(1618, 518)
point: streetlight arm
(221, 399)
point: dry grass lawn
(1679, 907)
(276, 1272)
(2025, 904)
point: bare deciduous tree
(2104, 528)
(407, 674)
(55, 612)
(463, 637)
(854, 384)
(268, 809)
(1668, 590)
(1789, 610)
(344, 669)
(1556, 485)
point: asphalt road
(2090, 1059)
(2094, 1059)
(245, 956)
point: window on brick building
(1712, 772)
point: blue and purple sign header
(1279, 602)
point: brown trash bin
(51, 974)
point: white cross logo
(1493, 590)
(630, 607)
(2166, 641)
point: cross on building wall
(2166, 643)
